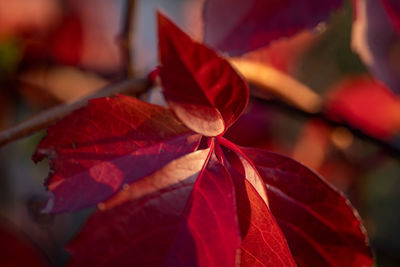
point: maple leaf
(248, 25)
(172, 196)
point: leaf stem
(48, 117)
(228, 144)
(257, 182)
(235, 148)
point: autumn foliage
(215, 133)
(171, 190)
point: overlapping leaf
(318, 223)
(113, 141)
(263, 241)
(240, 26)
(140, 231)
(201, 88)
(221, 205)
(204, 233)
(209, 220)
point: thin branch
(128, 36)
(302, 100)
(48, 117)
(390, 148)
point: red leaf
(204, 233)
(209, 233)
(179, 207)
(318, 223)
(392, 8)
(237, 26)
(366, 103)
(203, 90)
(321, 227)
(140, 231)
(113, 141)
(263, 241)
(157, 228)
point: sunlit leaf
(113, 141)
(203, 90)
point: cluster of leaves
(171, 190)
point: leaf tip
(163, 23)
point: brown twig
(48, 117)
(127, 36)
(302, 100)
(390, 148)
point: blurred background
(58, 51)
